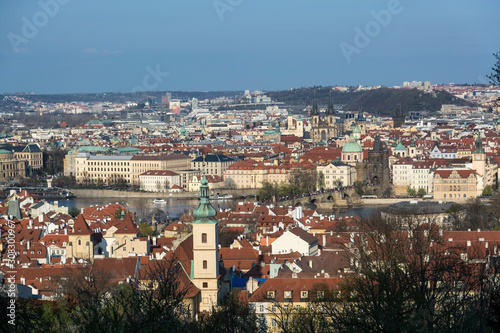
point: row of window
(108, 163)
(287, 294)
(452, 188)
(333, 171)
(454, 181)
(454, 195)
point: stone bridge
(328, 200)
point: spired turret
(330, 110)
(315, 110)
(479, 145)
(205, 212)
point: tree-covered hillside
(383, 101)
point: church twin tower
(323, 126)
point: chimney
(154, 241)
(65, 231)
(324, 239)
(231, 246)
(267, 240)
(239, 246)
(28, 244)
(310, 263)
(30, 225)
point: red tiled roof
(159, 173)
(81, 227)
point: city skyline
(57, 46)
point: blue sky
(114, 45)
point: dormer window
(320, 294)
(287, 294)
(270, 294)
(304, 294)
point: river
(175, 207)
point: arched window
(79, 242)
(203, 237)
(205, 264)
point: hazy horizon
(68, 46)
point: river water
(175, 207)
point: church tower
(323, 125)
(315, 121)
(479, 157)
(80, 244)
(361, 122)
(205, 250)
(330, 114)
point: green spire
(183, 130)
(399, 146)
(204, 213)
(321, 143)
(479, 145)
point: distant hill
(305, 96)
(383, 101)
(118, 97)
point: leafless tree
(409, 279)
